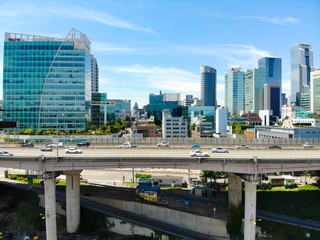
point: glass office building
(254, 89)
(301, 67)
(273, 66)
(47, 81)
(315, 92)
(102, 110)
(274, 76)
(209, 86)
(235, 90)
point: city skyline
(140, 51)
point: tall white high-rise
(315, 92)
(94, 75)
(301, 67)
(235, 90)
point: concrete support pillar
(250, 211)
(50, 208)
(73, 200)
(234, 190)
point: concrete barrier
(205, 225)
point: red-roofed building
(252, 118)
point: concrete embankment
(205, 225)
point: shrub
(12, 176)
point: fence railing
(103, 139)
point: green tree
(238, 129)
(103, 128)
(39, 132)
(80, 132)
(193, 127)
(29, 131)
(205, 175)
(234, 222)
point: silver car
(163, 144)
(4, 153)
(242, 146)
(219, 150)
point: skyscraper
(235, 90)
(305, 97)
(315, 92)
(301, 67)
(272, 98)
(209, 86)
(273, 66)
(94, 75)
(47, 81)
(254, 89)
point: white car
(198, 153)
(163, 144)
(242, 146)
(4, 153)
(73, 150)
(127, 145)
(56, 145)
(219, 150)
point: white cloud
(156, 78)
(245, 56)
(172, 79)
(275, 20)
(14, 12)
(113, 49)
(76, 12)
(286, 82)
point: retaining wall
(205, 225)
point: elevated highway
(246, 163)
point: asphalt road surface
(167, 152)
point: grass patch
(302, 202)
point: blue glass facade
(102, 111)
(208, 86)
(46, 82)
(273, 66)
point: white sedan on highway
(219, 150)
(198, 153)
(73, 150)
(4, 153)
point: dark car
(273, 147)
(27, 145)
(9, 236)
(83, 144)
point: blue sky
(145, 46)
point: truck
(307, 145)
(127, 145)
